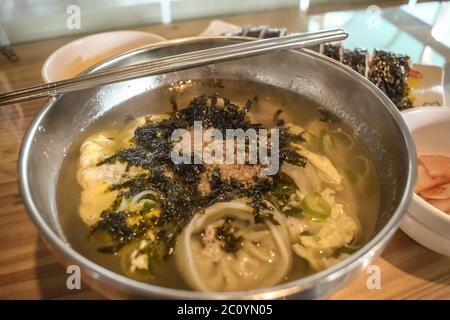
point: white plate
(429, 91)
(425, 236)
(430, 128)
(76, 56)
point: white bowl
(76, 56)
(429, 226)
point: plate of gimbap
(406, 84)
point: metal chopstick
(174, 63)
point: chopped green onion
(147, 205)
(315, 206)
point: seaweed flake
(177, 184)
(226, 234)
(389, 72)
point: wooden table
(28, 269)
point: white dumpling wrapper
(336, 231)
(251, 267)
(326, 170)
(305, 178)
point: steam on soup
(222, 226)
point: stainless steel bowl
(342, 91)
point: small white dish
(76, 56)
(430, 128)
(429, 90)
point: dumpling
(95, 149)
(94, 179)
(305, 178)
(93, 201)
(325, 237)
(326, 170)
(223, 249)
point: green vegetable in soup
(352, 175)
(283, 192)
(148, 205)
(281, 197)
(315, 206)
(292, 211)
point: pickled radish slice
(437, 166)
(425, 181)
(439, 192)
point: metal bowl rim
(278, 291)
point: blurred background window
(420, 26)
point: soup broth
(351, 187)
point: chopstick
(174, 63)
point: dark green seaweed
(177, 184)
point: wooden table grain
(28, 269)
